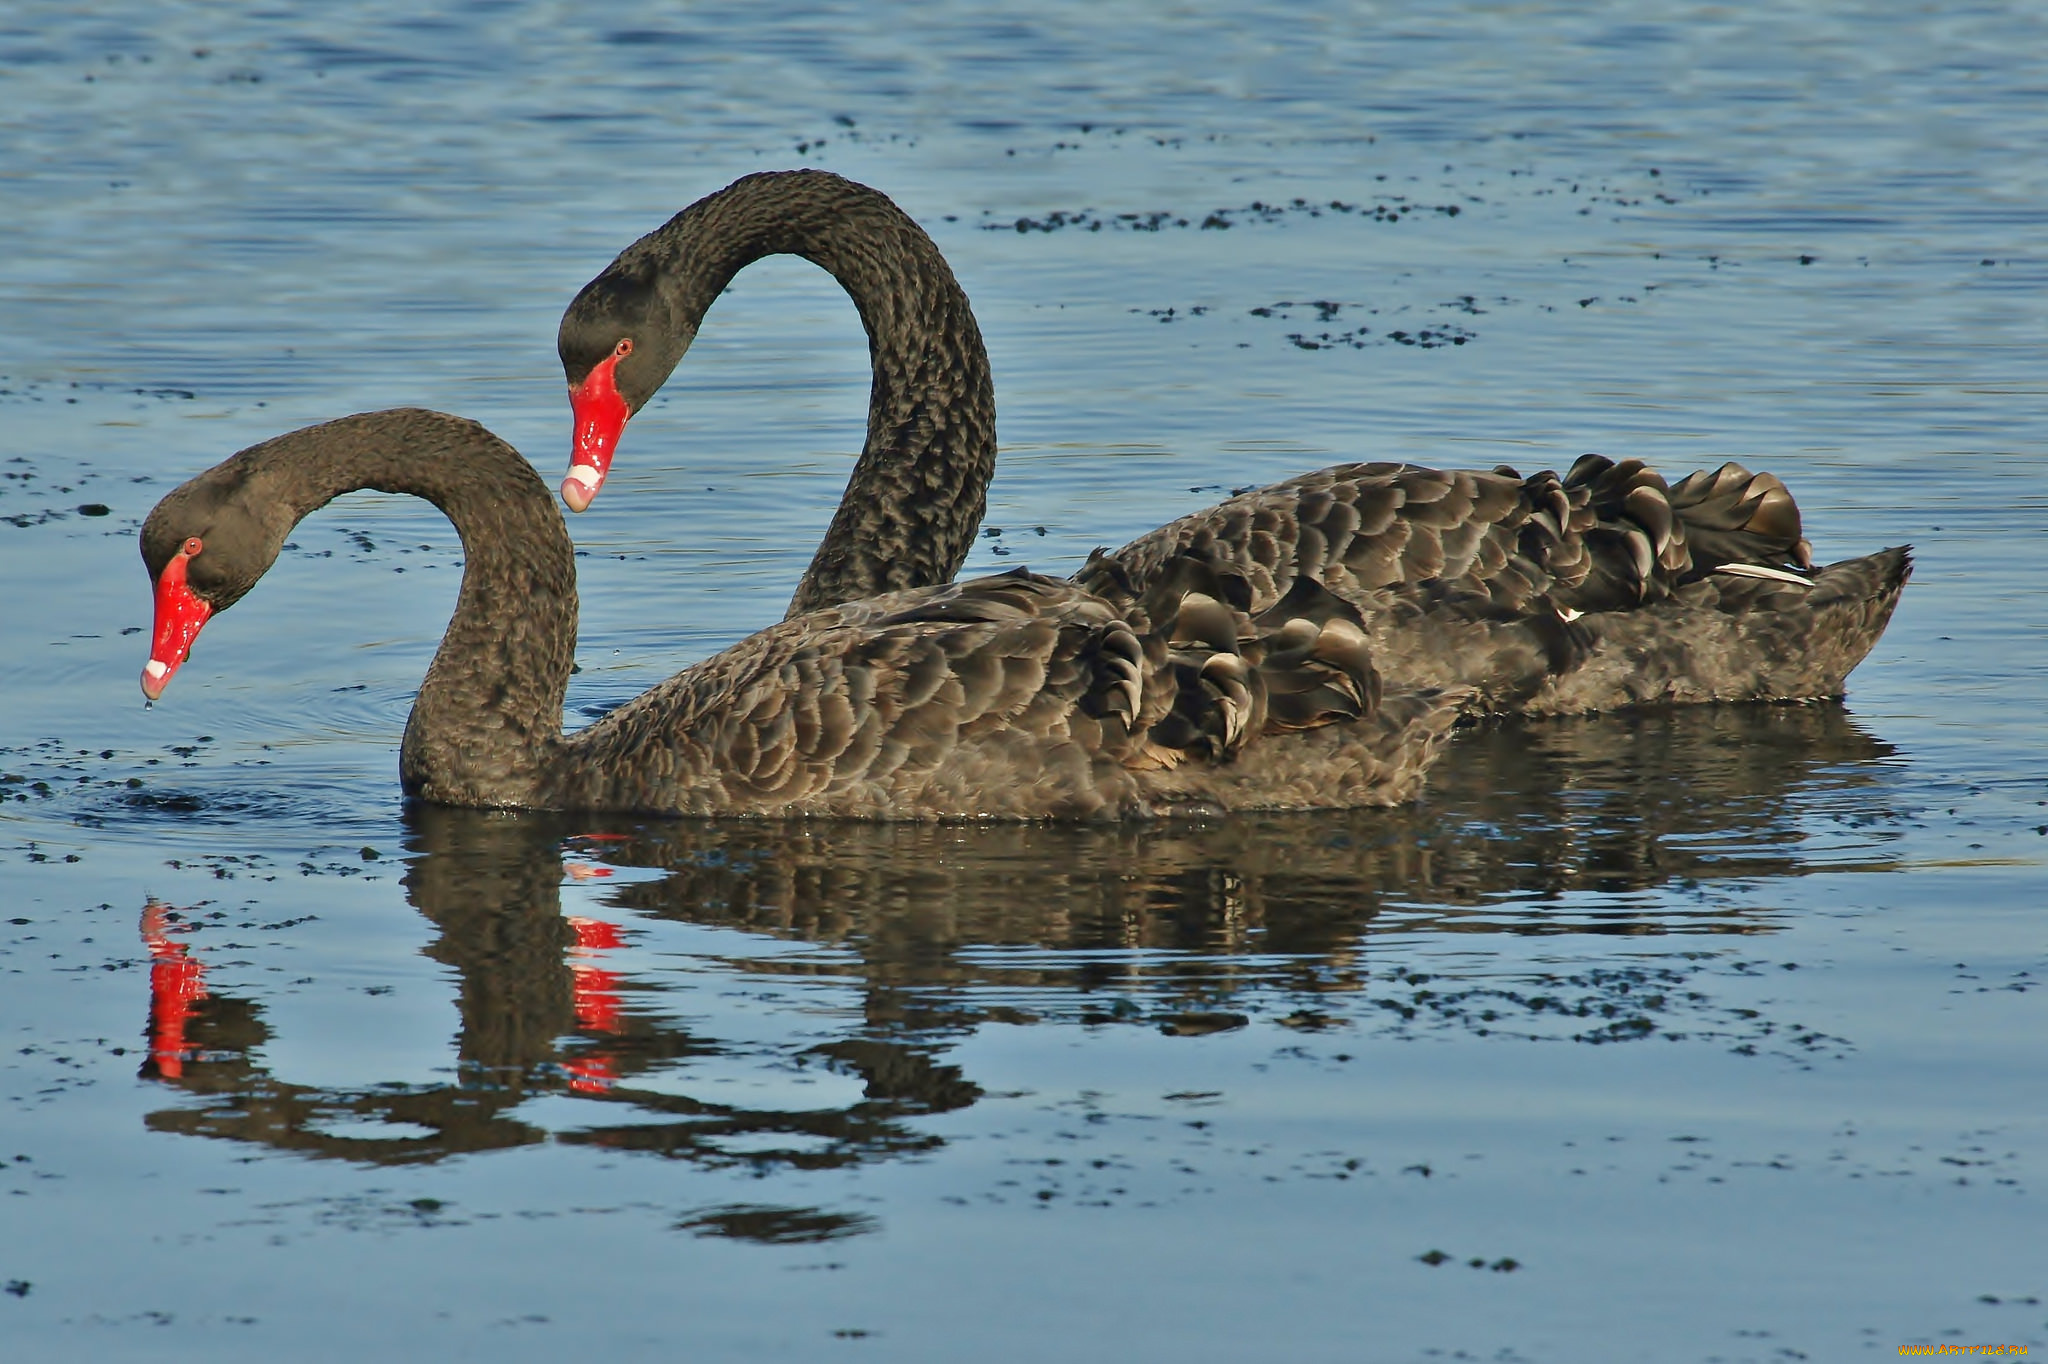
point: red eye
(192, 547)
(624, 348)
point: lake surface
(1712, 1035)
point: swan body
(1603, 588)
(1015, 696)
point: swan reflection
(1650, 824)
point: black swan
(1600, 589)
(1014, 696)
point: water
(1704, 1036)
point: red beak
(179, 614)
(600, 415)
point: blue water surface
(1699, 1036)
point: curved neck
(916, 496)
(488, 717)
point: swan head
(204, 545)
(619, 341)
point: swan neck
(488, 718)
(915, 498)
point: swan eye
(624, 348)
(192, 547)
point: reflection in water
(1521, 820)
(595, 995)
(177, 985)
(1621, 825)
(776, 1226)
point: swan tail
(1736, 637)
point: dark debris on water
(1503, 1265)
(1393, 210)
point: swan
(1012, 696)
(1603, 588)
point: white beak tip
(579, 489)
